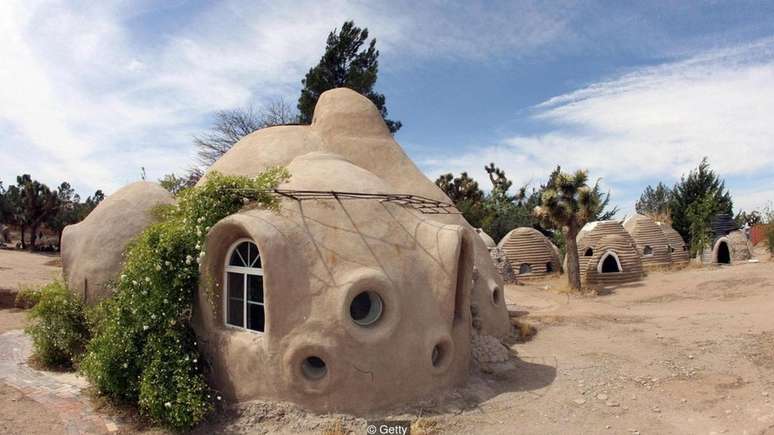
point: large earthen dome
(530, 253)
(650, 240)
(607, 255)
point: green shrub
(143, 351)
(27, 297)
(59, 331)
(769, 233)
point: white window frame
(245, 271)
(604, 257)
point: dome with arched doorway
(678, 249)
(607, 255)
(728, 249)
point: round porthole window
(314, 368)
(437, 355)
(366, 308)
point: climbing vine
(143, 349)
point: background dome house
(336, 302)
(652, 244)
(729, 244)
(607, 255)
(92, 250)
(679, 250)
(530, 253)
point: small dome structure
(677, 247)
(608, 255)
(488, 240)
(530, 253)
(650, 240)
(92, 249)
(728, 249)
(722, 224)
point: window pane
(255, 317)
(254, 288)
(235, 313)
(256, 259)
(236, 285)
(236, 259)
(244, 251)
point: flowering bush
(143, 348)
(27, 297)
(59, 332)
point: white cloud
(88, 95)
(652, 123)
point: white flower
(188, 259)
(147, 279)
(144, 327)
(123, 277)
(126, 365)
(158, 267)
(168, 263)
(219, 397)
(134, 282)
(168, 405)
(200, 220)
(195, 360)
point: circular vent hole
(366, 308)
(314, 368)
(497, 296)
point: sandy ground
(688, 351)
(23, 268)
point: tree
(464, 192)
(67, 210)
(175, 184)
(701, 184)
(568, 203)
(655, 202)
(753, 218)
(344, 64)
(232, 125)
(37, 203)
(699, 214)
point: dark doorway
(724, 255)
(549, 267)
(610, 265)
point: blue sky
(636, 92)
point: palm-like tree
(568, 203)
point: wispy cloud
(89, 94)
(652, 123)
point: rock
(579, 401)
(602, 396)
(612, 404)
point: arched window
(589, 252)
(524, 268)
(244, 303)
(647, 251)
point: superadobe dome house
(679, 251)
(92, 249)
(607, 255)
(530, 253)
(360, 293)
(651, 242)
(729, 244)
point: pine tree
(344, 64)
(701, 184)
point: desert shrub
(59, 332)
(769, 233)
(27, 297)
(143, 349)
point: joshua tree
(567, 203)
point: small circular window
(366, 308)
(314, 368)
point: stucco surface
(92, 249)
(349, 125)
(317, 256)
(433, 272)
